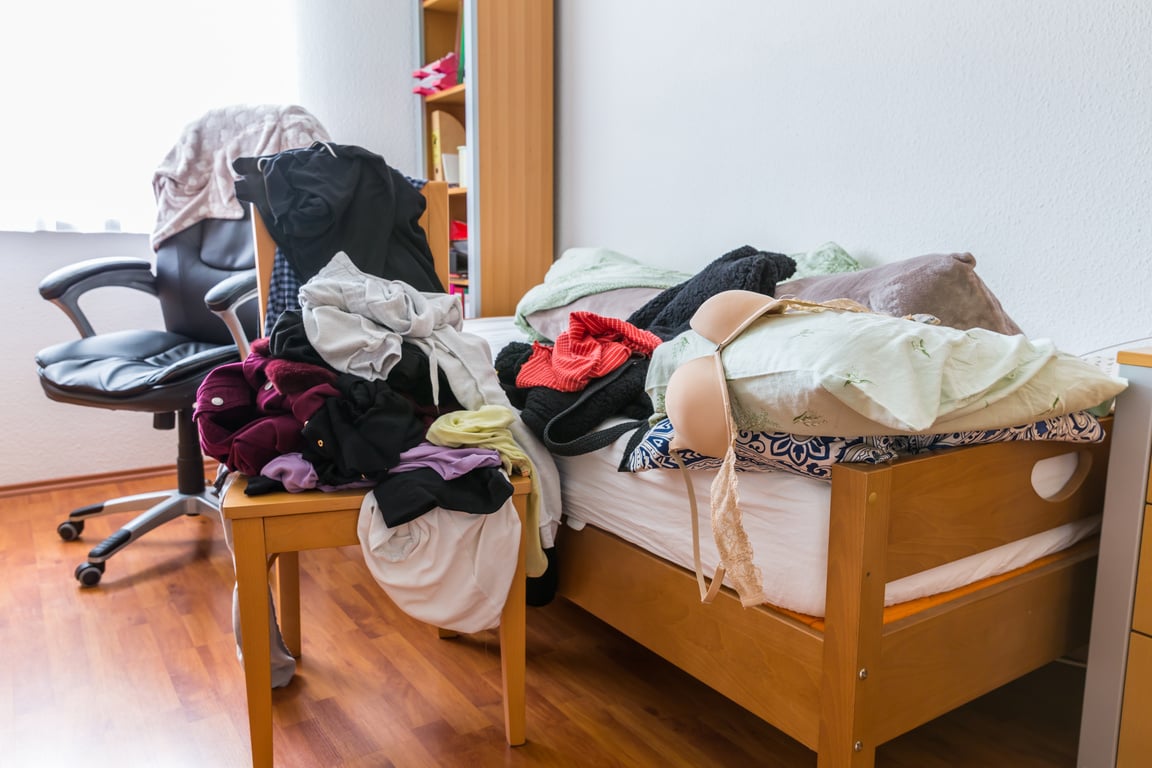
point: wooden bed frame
(844, 685)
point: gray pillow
(943, 285)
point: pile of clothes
(371, 384)
(596, 369)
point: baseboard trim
(102, 478)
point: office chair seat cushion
(131, 370)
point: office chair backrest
(192, 261)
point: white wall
(1018, 131)
(1021, 132)
(356, 62)
(50, 439)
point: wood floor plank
(142, 671)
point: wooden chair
(278, 526)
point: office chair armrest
(225, 299)
(64, 287)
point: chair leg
(135, 503)
(173, 506)
(192, 497)
(513, 641)
(288, 594)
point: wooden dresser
(1116, 725)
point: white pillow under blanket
(860, 373)
(619, 303)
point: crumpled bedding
(581, 272)
(860, 373)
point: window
(96, 93)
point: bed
(829, 663)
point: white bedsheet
(497, 331)
(786, 517)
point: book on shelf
(459, 49)
(446, 133)
(458, 286)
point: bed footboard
(846, 685)
(892, 520)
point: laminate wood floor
(142, 671)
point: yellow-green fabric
(488, 427)
(828, 259)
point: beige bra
(697, 404)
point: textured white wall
(1021, 132)
(49, 439)
(356, 58)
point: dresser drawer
(1135, 735)
(1142, 607)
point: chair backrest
(435, 222)
(193, 260)
(196, 240)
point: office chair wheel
(70, 530)
(88, 574)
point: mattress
(497, 331)
(786, 517)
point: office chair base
(161, 507)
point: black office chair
(154, 371)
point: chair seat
(132, 370)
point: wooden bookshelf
(505, 104)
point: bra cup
(726, 314)
(695, 398)
(695, 405)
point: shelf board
(457, 191)
(453, 95)
(452, 6)
(1140, 357)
